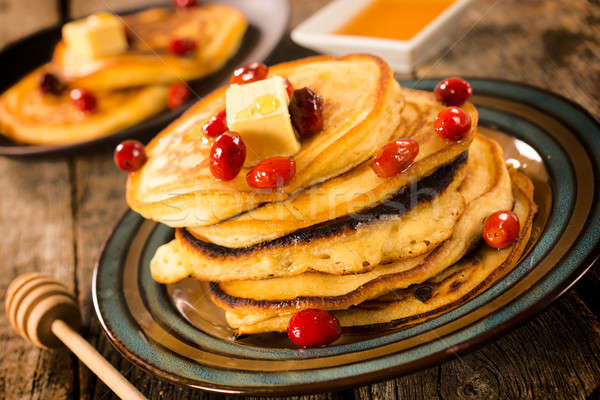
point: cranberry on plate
(395, 157)
(452, 123)
(182, 46)
(453, 91)
(184, 3)
(227, 156)
(313, 328)
(216, 125)
(130, 155)
(50, 84)
(83, 100)
(249, 73)
(501, 229)
(272, 173)
(177, 95)
(306, 112)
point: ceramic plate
(267, 23)
(176, 333)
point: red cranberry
(50, 84)
(184, 3)
(249, 73)
(452, 123)
(130, 155)
(395, 157)
(272, 173)
(177, 95)
(306, 111)
(313, 328)
(501, 229)
(216, 125)
(182, 47)
(83, 100)
(453, 91)
(227, 156)
(289, 88)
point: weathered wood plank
(98, 190)
(31, 16)
(588, 289)
(556, 355)
(302, 9)
(35, 218)
(552, 44)
(419, 385)
(37, 233)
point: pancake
(175, 185)
(249, 302)
(454, 286)
(218, 30)
(28, 116)
(350, 193)
(387, 232)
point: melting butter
(258, 112)
(261, 106)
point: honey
(394, 19)
(262, 105)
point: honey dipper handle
(94, 361)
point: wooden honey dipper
(44, 312)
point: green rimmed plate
(176, 332)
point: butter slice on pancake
(387, 232)
(454, 286)
(217, 29)
(29, 116)
(249, 302)
(349, 193)
(175, 185)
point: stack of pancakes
(128, 87)
(377, 252)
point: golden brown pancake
(29, 116)
(217, 29)
(175, 185)
(249, 302)
(350, 193)
(351, 244)
(452, 287)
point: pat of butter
(98, 35)
(258, 111)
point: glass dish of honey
(403, 32)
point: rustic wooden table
(55, 214)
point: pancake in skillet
(350, 193)
(175, 185)
(454, 286)
(486, 189)
(217, 29)
(29, 116)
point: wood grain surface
(55, 214)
